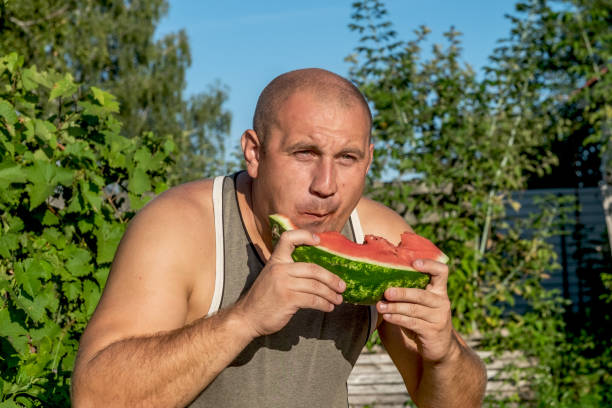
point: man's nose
(324, 179)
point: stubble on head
(326, 86)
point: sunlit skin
(312, 165)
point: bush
(69, 183)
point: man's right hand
(283, 287)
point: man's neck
(256, 224)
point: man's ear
(371, 154)
(251, 148)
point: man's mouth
(315, 214)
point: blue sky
(245, 44)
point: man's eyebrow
(309, 146)
(302, 146)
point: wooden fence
(582, 246)
(375, 381)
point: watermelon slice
(369, 268)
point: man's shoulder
(177, 219)
(380, 220)
(183, 204)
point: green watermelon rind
(365, 281)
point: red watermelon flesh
(379, 250)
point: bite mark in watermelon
(370, 268)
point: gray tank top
(307, 363)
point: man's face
(314, 161)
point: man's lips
(316, 214)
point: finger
(310, 301)
(312, 271)
(438, 272)
(411, 310)
(413, 324)
(413, 295)
(315, 287)
(288, 241)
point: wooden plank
(384, 400)
(358, 378)
(377, 389)
(376, 382)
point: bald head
(326, 86)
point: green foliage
(111, 44)
(452, 147)
(569, 44)
(201, 144)
(69, 183)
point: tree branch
(24, 25)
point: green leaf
(71, 290)
(41, 78)
(63, 88)
(50, 219)
(40, 175)
(107, 240)
(79, 263)
(91, 194)
(13, 332)
(64, 176)
(7, 111)
(12, 61)
(74, 205)
(9, 404)
(139, 182)
(35, 308)
(105, 99)
(27, 78)
(144, 158)
(92, 296)
(44, 129)
(29, 282)
(54, 237)
(8, 242)
(136, 202)
(101, 275)
(11, 173)
(169, 147)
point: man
(200, 310)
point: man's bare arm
(162, 370)
(144, 347)
(136, 349)
(439, 369)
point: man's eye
(348, 157)
(304, 153)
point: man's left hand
(424, 314)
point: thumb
(288, 241)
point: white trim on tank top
(219, 255)
(359, 239)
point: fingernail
(316, 238)
(339, 299)
(342, 285)
(387, 316)
(383, 306)
(418, 263)
(391, 292)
